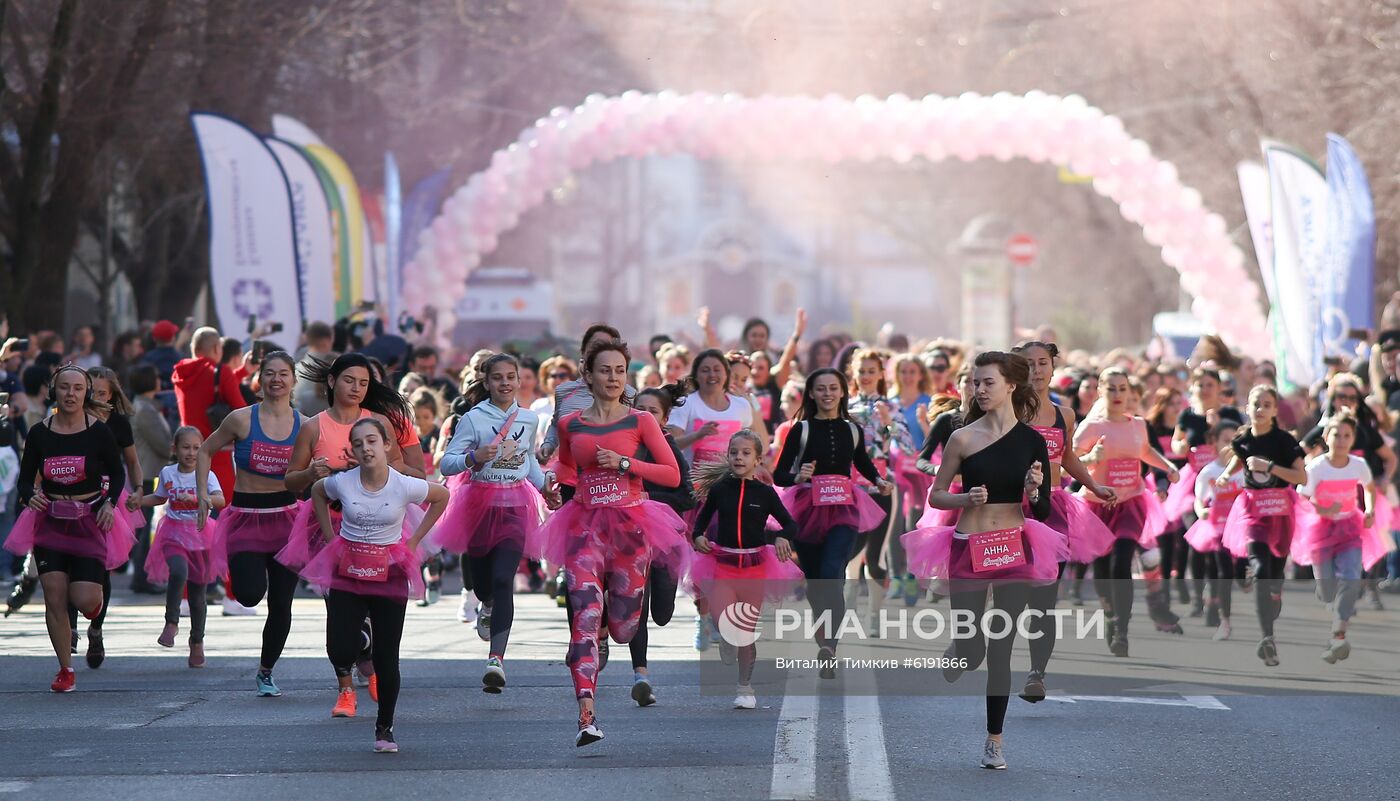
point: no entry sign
(1022, 249)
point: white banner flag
(311, 215)
(1298, 215)
(252, 245)
(1254, 189)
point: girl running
(70, 522)
(745, 562)
(1213, 506)
(501, 506)
(1260, 525)
(367, 565)
(1005, 464)
(258, 521)
(181, 555)
(608, 535)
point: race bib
(599, 488)
(1224, 501)
(1272, 502)
(364, 562)
(717, 442)
(181, 499)
(65, 469)
(1338, 492)
(832, 491)
(1202, 455)
(765, 406)
(996, 550)
(1124, 474)
(1054, 441)
(269, 459)
(1164, 444)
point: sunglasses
(561, 374)
(938, 368)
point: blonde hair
(704, 475)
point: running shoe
(345, 703)
(642, 692)
(267, 688)
(1268, 652)
(384, 741)
(167, 635)
(992, 756)
(896, 588)
(702, 634)
(233, 608)
(745, 699)
(827, 660)
(20, 595)
(196, 659)
(96, 653)
(64, 681)
(911, 590)
(1119, 645)
(588, 731)
(466, 612)
(1198, 608)
(1034, 691)
(952, 667)
(483, 622)
(361, 677)
(494, 679)
(1222, 632)
(374, 687)
(1337, 650)
(874, 630)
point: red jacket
(194, 391)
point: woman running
(740, 561)
(608, 535)
(1115, 444)
(1339, 539)
(1260, 526)
(367, 566)
(1005, 464)
(1213, 506)
(258, 522)
(1086, 538)
(948, 413)
(181, 556)
(815, 466)
(1161, 408)
(659, 598)
(70, 523)
(711, 415)
(500, 506)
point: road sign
(1022, 249)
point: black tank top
(1001, 468)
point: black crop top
(71, 464)
(940, 432)
(760, 502)
(1001, 468)
(1278, 446)
(833, 444)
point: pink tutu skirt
(1244, 526)
(1204, 535)
(913, 483)
(1181, 496)
(814, 522)
(80, 537)
(135, 519)
(306, 540)
(614, 530)
(1318, 538)
(1086, 536)
(1140, 518)
(181, 538)
(937, 518)
(751, 574)
(405, 579)
(934, 553)
(242, 530)
(482, 515)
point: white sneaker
(1338, 649)
(702, 634)
(1222, 632)
(467, 611)
(745, 698)
(185, 607)
(233, 608)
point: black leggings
(254, 574)
(1010, 598)
(1113, 581)
(873, 541)
(96, 623)
(824, 565)
(345, 614)
(179, 579)
(493, 576)
(1043, 599)
(1268, 584)
(658, 600)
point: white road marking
(1196, 701)
(867, 765)
(14, 787)
(795, 745)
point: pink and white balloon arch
(1064, 131)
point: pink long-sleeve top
(636, 436)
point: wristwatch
(624, 464)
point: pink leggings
(620, 570)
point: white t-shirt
(178, 490)
(1205, 484)
(1320, 470)
(374, 517)
(694, 414)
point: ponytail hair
(704, 475)
(669, 396)
(1017, 372)
(476, 390)
(380, 398)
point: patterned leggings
(618, 568)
